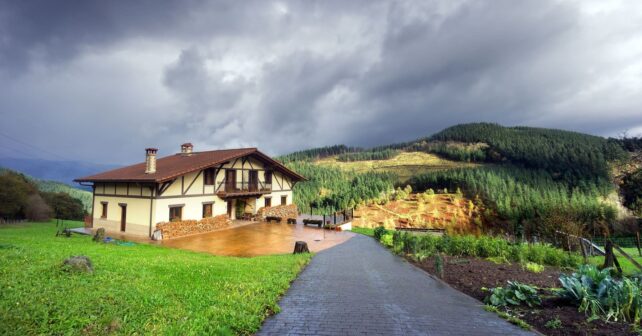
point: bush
(536, 253)
(379, 232)
(533, 267)
(471, 246)
(492, 247)
(386, 240)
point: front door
(123, 217)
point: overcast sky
(101, 80)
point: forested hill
(535, 173)
(47, 186)
(571, 155)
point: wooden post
(637, 240)
(610, 259)
(627, 256)
(583, 248)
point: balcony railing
(239, 187)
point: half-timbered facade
(188, 185)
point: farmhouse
(189, 187)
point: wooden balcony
(236, 189)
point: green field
(140, 289)
(627, 266)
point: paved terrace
(246, 239)
(359, 287)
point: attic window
(209, 176)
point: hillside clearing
(404, 165)
(451, 212)
(140, 289)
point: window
(104, 210)
(268, 201)
(175, 213)
(207, 210)
(209, 176)
(268, 177)
(284, 200)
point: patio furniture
(317, 222)
(272, 218)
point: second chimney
(187, 148)
(150, 160)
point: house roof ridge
(174, 165)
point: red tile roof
(172, 166)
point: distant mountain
(59, 171)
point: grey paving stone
(359, 287)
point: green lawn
(363, 231)
(627, 267)
(141, 289)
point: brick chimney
(187, 148)
(150, 160)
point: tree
(65, 206)
(14, 194)
(36, 209)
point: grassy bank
(140, 289)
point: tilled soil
(470, 275)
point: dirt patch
(470, 275)
(452, 212)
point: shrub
(379, 232)
(533, 267)
(515, 294)
(536, 253)
(470, 246)
(553, 257)
(492, 247)
(461, 246)
(386, 240)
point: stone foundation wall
(189, 227)
(283, 211)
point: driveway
(359, 287)
(259, 239)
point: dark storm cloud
(285, 75)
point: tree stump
(100, 235)
(301, 247)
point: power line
(34, 147)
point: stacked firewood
(188, 227)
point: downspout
(93, 201)
(151, 202)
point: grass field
(405, 165)
(140, 289)
(627, 266)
